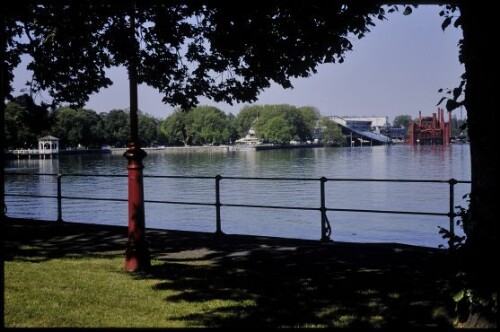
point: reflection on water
(33, 165)
(380, 162)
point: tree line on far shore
(26, 122)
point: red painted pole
(137, 255)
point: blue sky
(396, 69)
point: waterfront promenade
(292, 282)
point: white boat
(249, 139)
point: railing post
(59, 198)
(325, 226)
(218, 230)
(451, 214)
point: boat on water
(249, 142)
(249, 139)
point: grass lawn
(72, 275)
(96, 292)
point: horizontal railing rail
(322, 208)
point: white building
(48, 145)
(377, 122)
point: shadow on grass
(267, 282)
(45, 240)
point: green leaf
(407, 11)
(451, 105)
(459, 296)
(441, 100)
(445, 23)
(456, 93)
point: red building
(430, 130)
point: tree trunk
(479, 24)
(3, 96)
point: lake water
(378, 162)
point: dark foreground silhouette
(293, 282)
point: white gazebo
(48, 145)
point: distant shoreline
(204, 148)
(167, 149)
(33, 154)
(221, 148)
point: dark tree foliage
(280, 123)
(402, 121)
(226, 51)
(246, 118)
(25, 123)
(200, 126)
(116, 125)
(148, 130)
(78, 128)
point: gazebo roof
(48, 138)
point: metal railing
(322, 208)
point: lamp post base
(137, 255)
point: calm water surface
(380, 162)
